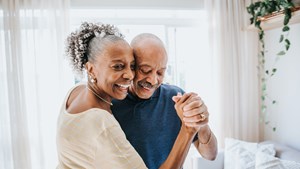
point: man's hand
(191, 110)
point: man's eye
(118, 67)
(161, 73)
(145, 71)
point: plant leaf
(263, 108)
(287, 44)
(291, 4)
(251, 20)
(281, 38)
(263, 11)
(264, 87)
(287, 47)
(286, 20)
(285, 28)
(281, 53)
(273, 71)
(261, 35)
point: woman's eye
(118, 67)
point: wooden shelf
(276, 21)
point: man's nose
(152, 79)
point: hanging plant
(260, 11)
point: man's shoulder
(170, 89)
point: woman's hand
(192, 111)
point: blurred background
(212, 51)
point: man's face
(151, 60)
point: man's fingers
(184, 97)
(176, 98)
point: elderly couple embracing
(124, 117)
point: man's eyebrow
(144, 65)
(148, 66)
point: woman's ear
(90, 69)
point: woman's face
(114, 69)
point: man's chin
(142, 94)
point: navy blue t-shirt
(150, 125)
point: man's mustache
(147, 84)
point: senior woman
(88, 136)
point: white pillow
(246, 159)
(265, 161)
(241, 155)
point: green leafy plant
(260, 11)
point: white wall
(285, 88)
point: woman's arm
(180, 149)
(184, 138)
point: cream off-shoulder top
(93, 139)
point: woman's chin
(120, 97)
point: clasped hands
(191, 110)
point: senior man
(158, 121)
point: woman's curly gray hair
(84, 44)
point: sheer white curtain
(234, 51)
(33, 80)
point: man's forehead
(145, 38)
(151, 64)
(151, 43)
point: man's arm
(206, 143)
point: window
(180, 30)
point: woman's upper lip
(124, 85)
